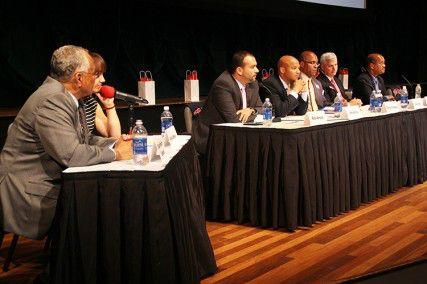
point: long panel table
(292, 177)
(133, 226)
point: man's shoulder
(51, 94)
(273, 81)
(322, 78)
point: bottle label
(404, 99)
(166, 122)
(268, 114)
(139, 145)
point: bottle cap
(166, 108)
(138, 121)
(267, 100)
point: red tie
(335, 85)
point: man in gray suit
(233, 98)
(309, 64)
(46, 137)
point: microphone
(109, 92)
(406, 80)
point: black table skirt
(290, 178)
(133, 227)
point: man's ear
(78, 78)
(239, 71)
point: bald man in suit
(287, 92)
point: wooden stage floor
(386, 233)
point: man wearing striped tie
(309, 68)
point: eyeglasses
(96, 74)
(312, 63)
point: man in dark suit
(287, 92)
(331, 84)
(370, 79)
(45, 138)
(233, 98)
(309, 67)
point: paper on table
(128, 165)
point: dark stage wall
(168, 37)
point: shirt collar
(241, 86)
(73, 97)
(284, 83)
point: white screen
(343, 3)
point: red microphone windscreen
(107, 91)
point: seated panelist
(287, 91)
(48, 135)
(233, 97)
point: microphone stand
(131, 114)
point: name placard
(351, 112)
(391, 107)
(169, 135)
(315, 118)
(425, 101)
(157, 150)
(415, 103)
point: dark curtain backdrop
(168, 37)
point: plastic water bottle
(379, 101)
(337, 104)
(139, 144)
(418, 91)
(166, 119)
(372, 101)
(404, 97)
(267, 112)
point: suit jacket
(283, 104)
(224, 100)
(330, 92)
(364, 85)
(319, 93)
(44, 139)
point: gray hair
(66, 60)
(327, 56)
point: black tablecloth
(133, 227)
(288, 178)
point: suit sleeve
(257, 105)
(282, 103)
(302, 106)
(54, 124)
(224, 103)
(362, 90)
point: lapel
(237, 94)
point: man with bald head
(309, 68)
(370, 79)
(46, 137)
(287, 92)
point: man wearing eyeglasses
(47, 136)
(309, 68)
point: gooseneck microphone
(406, 80)
(109, 92)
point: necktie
(244, 102)
(311, 97)
(337, 89)
(83, 123)
(375, 83)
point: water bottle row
(139, 136)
